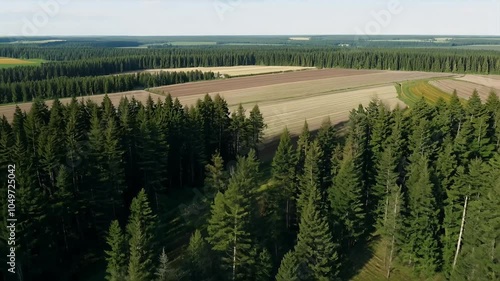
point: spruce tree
(315, 247)
(289, 269)
(165, 271)
(230, 224)
(141, 229)
(346, 199)
(283, 175)
(116, 256)
(264, 266)
(302, 148)
(215, 176)
(198, 259)
(422, 227)
(255, 127)
(310, 176)
(327, 142)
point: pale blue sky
(249, 17)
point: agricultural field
(413, 91)
(235, 71)
(285, 99)
(289, 103)
(11, 62)
(480, 47)
(492, 81)
(319, 81)
(464, 88)
(289, 108)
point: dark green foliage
(79, 165)
(310, 177)
(315, 248)
(346, 199)
(230, 224)
(422, 221)
(141, 228)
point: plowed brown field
(287, 99)
(235, 71)
(332, 79)
(464, 89)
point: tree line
(79, 165)
(63, 86)
(80, 71)
(74, 62)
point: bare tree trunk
(461, 232)
(234, 260)
(234, 246)
(393, 236)
(287, 214)
(64, 234)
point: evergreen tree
(216, 178)
(197, 262)
(302, 148)
(326, 141)
(264, 266)
(116, 256)
(345, 196)
(283, 174)
(230, 223)
(315, 246)
(165, 271)
(141, 229)
(422, 221)
(310, 176)
(255, 126)
(289, 269)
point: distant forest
(73, 72)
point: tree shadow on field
(358, 257)
(266, 151)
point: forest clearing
(11, 62)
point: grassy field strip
(464, 89)
(413, 91)
(12, 62)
